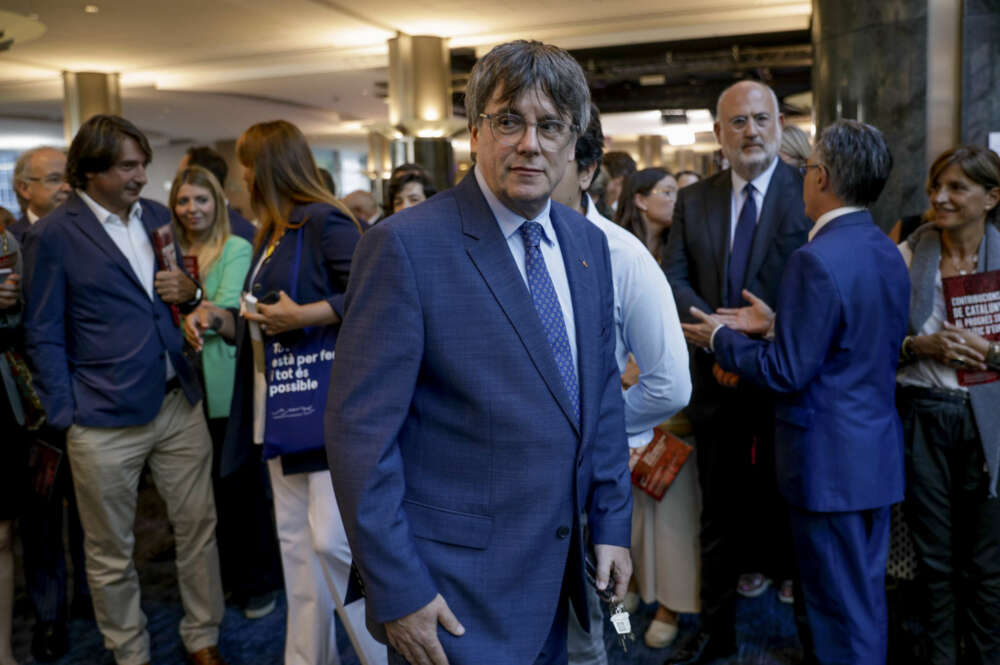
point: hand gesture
(415, 635)
(204, 317)
(756, 319)
(700, 334)
(614, 563)
(10, 290)
(277, 318)
(174, 286)
(952, 346)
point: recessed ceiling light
(91, 9)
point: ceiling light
(91, 9)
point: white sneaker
(659, 634)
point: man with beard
(733, 232)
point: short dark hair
(858, 160)
(618, 163)
(401, 180)
(517, 67)
(590, 143)
(206, 158)
(98, 144)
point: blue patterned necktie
(739, 257)
(549, 311)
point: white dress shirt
(738, 197)
(510, 225)
(32, 217)
(133, 242)
(647, 326)
(831, 215)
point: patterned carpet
(765, 627)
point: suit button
(562, 532)
(256, 287)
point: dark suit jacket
(457, 460)
(696, 261)
(328, 242)
(240, 225)
(842, 313)
(96, 341)
(19, 228)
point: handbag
(298, 378)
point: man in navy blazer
(40, 183)
(109, 370)
(475, 406)
(841, 316)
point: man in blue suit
(842, 311)
(110, 372)
(475, 406)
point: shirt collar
(103, 215)
(32, 217)
(760, 183)
(509, 220)
(831, 215)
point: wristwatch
(993, 355)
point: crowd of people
(422, 415)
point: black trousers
(955, 526)
(246, 535)
(744, 519)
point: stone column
(650, 151)
(420, 103)
(980, 70)
(86, 94)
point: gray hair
(520, 66)
(857, 159)
(21, 166)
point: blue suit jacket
(239, 225)
(842, 312)
(19, 228)
(96, 341)
(457, 460)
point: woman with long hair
(248, 553)
(951, 425)
(285, 336)
(646, 206)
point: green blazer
(222, 286)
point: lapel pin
(584, 262)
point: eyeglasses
(509, 128)
(52, 180)
(804, 169)
(669, 193)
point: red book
(660, 463)
(166, 258)
(973, 302)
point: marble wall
(870, 65)
(980, 70)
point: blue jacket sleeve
(808, 313)
(340, 237)
(362, 431)
(45, 323)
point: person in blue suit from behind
(475, 408)
(841, 316)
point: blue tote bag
(298, 378)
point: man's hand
(204, 317)
(10, 289)
(633, 456)
(630, 376)
(613, 562)
(415, 635)
(756, 319)
(700, 334)
(174, 286)
(280, 317)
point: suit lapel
(717, 220)
(771, 215)
(91, 227)
(488, 250)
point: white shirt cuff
(711, 340)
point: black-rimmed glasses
(804, 169)
(509, 128)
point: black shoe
(700, 648)
(82, 608)
(50, 641)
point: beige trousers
(107, 463)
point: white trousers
(312, 538)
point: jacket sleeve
(676, 260)
(371, 388)
(45, 323)
(808, 314)
(340, 237)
